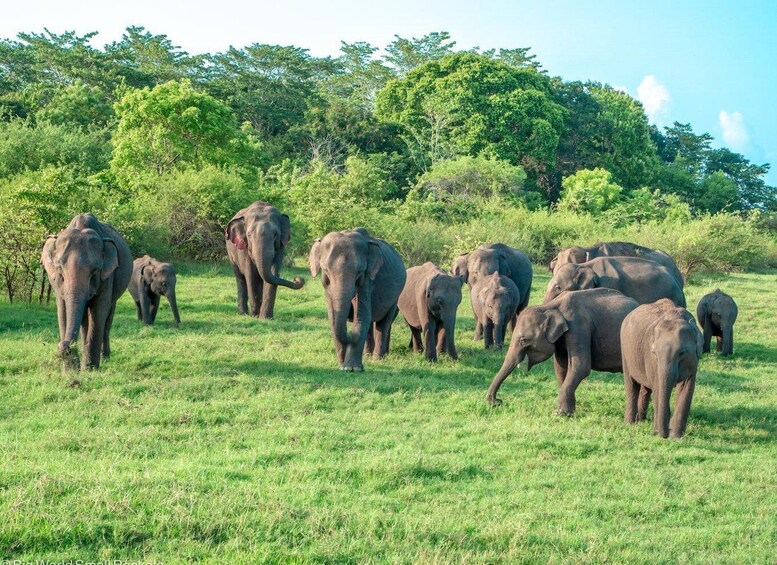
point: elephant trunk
(499, 332)
(173, 305)
(362, 318)
(264, 258)
(728, 339)
(340, 311)
(513, 358)
(449, 324)
(75, 306)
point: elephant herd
(614, 307)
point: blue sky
(712, 63)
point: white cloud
(654, 97)
(734, 131)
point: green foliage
(454, 190)
(77, 105)
(170, 127)
(589, 191)
(27, 147)
(407, 54)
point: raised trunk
(264, 262)
(173, 306)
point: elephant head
(570, 276)
(77, 262)
(574, 254)
(443, 295)
(484, 261)
(161, 279)
(534, 338)
(349, 263)
(265, 238)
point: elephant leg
(369, 342)
(267, 310)
(719, 339)
(154, 299)
(95, 333)
(242, 291)
(560, 367)
(145, 307)
(488, 334)
(682, 407)
(254, 286)
(430, 340)
(643, 402)
(139, 310)
(707, 336)
(478, 331)
(107, 332)
(340, 348)
(383, 333)
(578, 368)
(632, 392)
(415, 339)
(440, 337)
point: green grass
(235, 439)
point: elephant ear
(236, 232)
(110, 258)
(285, 230)
(428, 291)
(374, 260)
(459, 268)
(699, 341)
(314, 258)
(555, 325)
(702, 310)
(147, 273)
(504, 266)
(586, 278)
(47, 255)
(553, 263)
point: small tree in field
(590, 191)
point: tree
(470, 104)
(77, 105)
(589, 191)
(408, 54)
(358, 75)
(754, 193)
(168, 127)
(718, 193)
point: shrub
(590, 191)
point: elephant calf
(495, 302)
(150, 280)
(582, 330)
(428, 303)
(641, 279)
(661, 347)
(717, 313)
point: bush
(590, 191)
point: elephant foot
(352, 368)
(70, 360)
(494, 401)
(566, 412)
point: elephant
(661, 347)
(641, 279)
(150, 280)
(256, 238)
(428, 303)
(362, 277)
(578, 254)
(717, 313)
(580, 329)
(495, 258)
(495, 301)
(89, 266)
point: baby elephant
(150, 280)
(428, 303)
(717, 313)
(495, 302)
(661, 347)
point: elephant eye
(523, 340)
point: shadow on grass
(754, 352)
(739, 419)
(721, 381)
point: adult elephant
(643, 280)
(495, 258)
(363, 277)
(257, 237)
(89, 265)
(152, 279)
(582, 331)
(577, 254)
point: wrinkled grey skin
(89, 266)
(495, 301)
(362, 277)
(580, 329)
(578, 254)
(717, 313)
(428, 303)
(643, 280)
(661, 347)
(152, 279)
(495, 258)
(257, 237)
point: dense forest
(433, 148)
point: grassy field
(235, 439)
